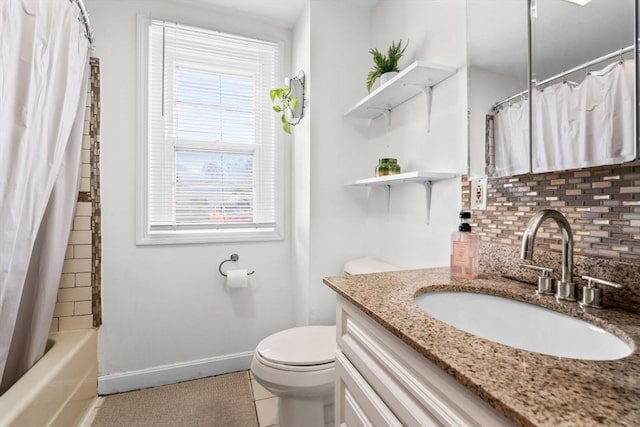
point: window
(209, 158)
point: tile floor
(266, 406)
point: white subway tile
(86, 156)
(75, 322)
(82, 223)
(81, 308)
(80, 238)
(67, 281)
(76, 266)
(83, 279)
(81, 251)
(63, 309)
(85, 185)
(83, 209)
(74, 294)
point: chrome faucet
(566, 289)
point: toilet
(298, 365)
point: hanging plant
(283, 102)
(385, 63)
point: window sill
(176, 237)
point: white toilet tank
(368, 265)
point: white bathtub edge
(38, 391)
(173, 373)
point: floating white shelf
(418, 77)
(415, 176)
(426, 179)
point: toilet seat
(293, 368)
(306, 348)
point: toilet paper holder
(232, 258)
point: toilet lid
(303, 346)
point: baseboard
(174, 373)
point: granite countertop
(529, 388)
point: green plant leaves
(371, 78)
(385, 63)
(282, 100)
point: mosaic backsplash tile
(602, 205)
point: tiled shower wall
(78, 304)
(602, 205)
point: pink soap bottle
(464, 250)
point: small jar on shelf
(387, 166)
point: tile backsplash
(602, 205)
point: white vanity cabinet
(381, 381)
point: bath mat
(222, 401)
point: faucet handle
(591, 294)
(545, 281)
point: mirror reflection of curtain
(586, 124)
(511, 139)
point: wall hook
(232, 258)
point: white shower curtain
(44, 57)
(511, 139)
(586, 124)
(573, 125)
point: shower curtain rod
(523, 94)
(587, 65)
(566, 73)
(85, 20)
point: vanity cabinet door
(358, 405)
(416, 391)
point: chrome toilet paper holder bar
(232, 258)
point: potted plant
(384, 63)
(283, 102)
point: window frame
(214, 233)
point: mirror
(497, 55)
(583, 83)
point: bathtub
(59, 388)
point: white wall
(300, 183)
(165, 311)
(338, 48)
(436, 33)
(164, 307)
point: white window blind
(211, 154)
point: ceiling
(564, 35)
(284, 13)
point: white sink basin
(522, 325)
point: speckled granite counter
(531, 389)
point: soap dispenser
(464, 250)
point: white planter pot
(387, 76)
